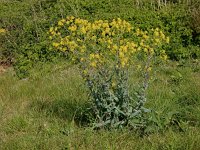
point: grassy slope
(37, 113)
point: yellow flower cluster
(78, 35)
(2, 31)
(101, 42)
(151, 41)
(81, 26)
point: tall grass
(44, 112)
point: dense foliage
(26, 23)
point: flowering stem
(142, 95)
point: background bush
(27, 22)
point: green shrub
(26, 22)
(25, 43)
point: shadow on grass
(80, 113)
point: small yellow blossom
(145, 36)
(2, 30)
(92, 56)
(51, 29)
(97, 56)
(60, 23)
(167, 40)
(156, 33)
(93, 37)
(82, 59)
(157, 40)
(55, 44)
(83, 30)
(93, 64)
(165, 57)
(72, 28)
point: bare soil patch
(3, 68)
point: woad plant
(104, 52)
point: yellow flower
(167, 40)
(145, 50)
(82, 59)
(162, 35)
(70, 17)
(115, 47)
(157, 40)
(93, 37)
(121, 41)
(77, 21)
(83, 30)
(2, 30)
(92, 56)
(141, 43)
(93, 64)
(107, 30)
(109, 41)
(51, 29)
(79, 40)
(165, 57)
(103, 33)
(156, 33)
(121, 54)
(124, 48)
(63, 20)
(55, 44)
(133, 50)
(72, 28)
(94, 27)
(123, 63)
(60, 23)
(64, 49)
(151, 50)
(129, 29)
(145, 36)
(105, 25)
(82, 50)
(97, 56)
(139, 67)
(138, 32)
(139, 48)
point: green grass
(41, 112)
(45, 110)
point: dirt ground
(3, 68)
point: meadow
(44, 112)
(44, 100)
